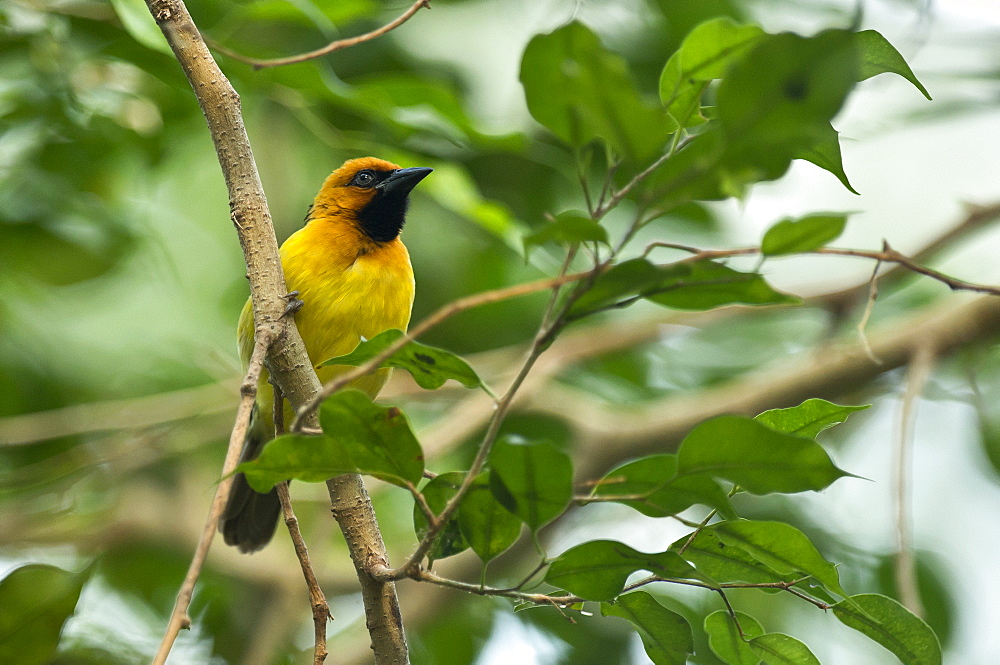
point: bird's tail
(250, 518)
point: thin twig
(866, 315)
(329, 48)
(887, 255)
(179, 618)
(320, 608)
(921, 364)
(618, 196)
(317, 600)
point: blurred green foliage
(121, 279)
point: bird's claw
(294, 304)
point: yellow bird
(353, 276)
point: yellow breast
(351, 288)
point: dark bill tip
(401, 181)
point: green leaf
(377, 439)
(809, 418)
(781, 547)
(438, 492)
(568, 228)
(651, 486)
(666, 635)
(429, 366)
(313, 459)
(488, 527)
(781, 649)
(582, 92)
(358, 437)
(725, 640)
(725, 563)
(778, 100)
(598, 569)
(893, 626)
(35, 601)
(706, 53)
(696, 286)
(756, 457)
(878, 56)
(532, 480)
(825, 153)
(711, 284)
(791, 236)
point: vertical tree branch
(287, 360)
(921, 363)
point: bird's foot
(294, 304)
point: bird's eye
(364, 179)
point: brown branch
(179, 618)
(287, 360)
(329, 48)
(320, 608)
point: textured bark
(287, 360)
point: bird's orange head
(371, 193)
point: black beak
(401, 181)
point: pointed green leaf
(696, 286)
(878, 56)
(488, 527)
(597, 570)
(809, 418)
(313, 459)
(358, 437)
(625, 282)
(710, 284)
(568, 228)
(756, 457)
(532, 480)
(666, 635)
(35, 602)
(725, 640)
(825, 153)
(429, 366)
(781, 649)
(725, 563)
(651, 486)
(778, 100)
(377, 439)
(706, 53)
(781, 547)
(581, 92)
(790, 236)
(438, 492)
(893, 626)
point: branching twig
(329, 48)
(867, 313)
(887, 255)
(179, 618)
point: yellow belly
(345, 299)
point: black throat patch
(383, 218)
